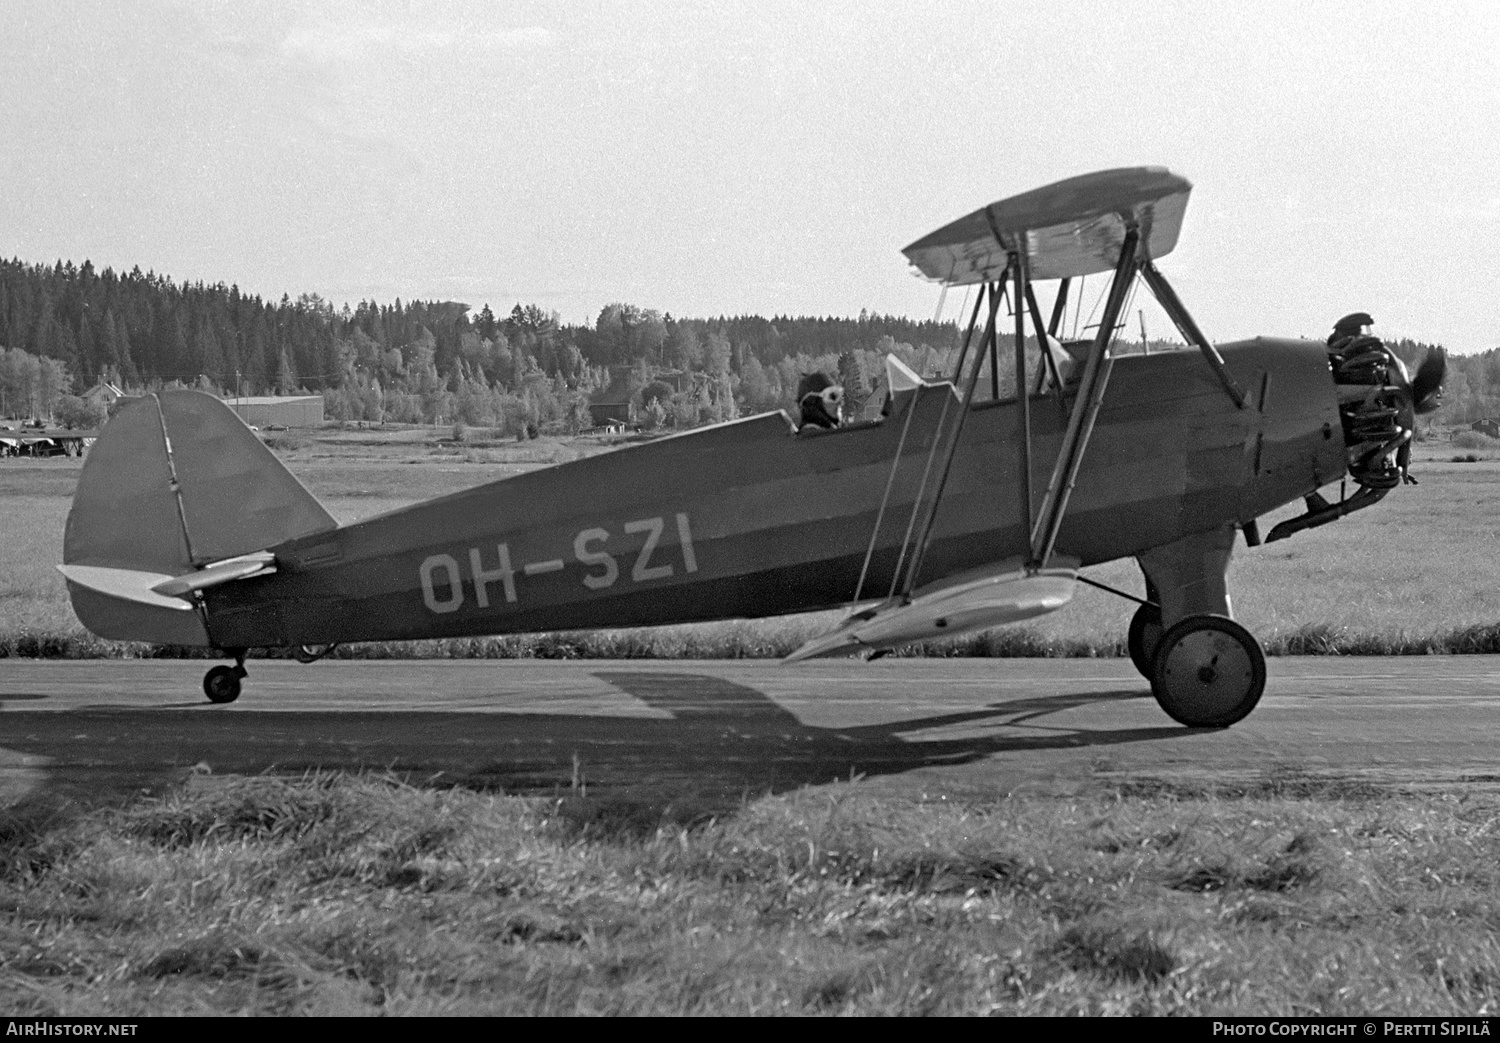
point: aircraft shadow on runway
(722, 738)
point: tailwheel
(1209, 672)
(1143, 637)
(222, 683)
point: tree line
(414, 361)
(66, 327)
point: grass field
(1417, 573)
(1280, 895)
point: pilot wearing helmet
(819, 400)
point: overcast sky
(765, 158)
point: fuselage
(753, 519)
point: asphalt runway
(717, 731)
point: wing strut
(937, 437)
(1049, 364)
(1023, 300)
(1045, 523)
(906, 572)
(1085, 410)
(924, 537)
(1169, 300)
(1023, 392)
(1059, 306)
(885, 499)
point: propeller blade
(1427, 386)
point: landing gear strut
(1206, 671)
(222, 683)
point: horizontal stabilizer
(125, 584)
(119, 604)
(963, 604)
(259, 564)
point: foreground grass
(332, 894)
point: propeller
(1427, 385)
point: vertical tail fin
(175, 481)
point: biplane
(965, 506)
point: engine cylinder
(1375, 408)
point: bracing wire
(943, 294)
(1093, 308)
(962, 309)
(1135, 285)
(890, 484)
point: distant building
(612, 404)
(265, 411)
(1488, 426)
(106, 393)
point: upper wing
(1071, 228)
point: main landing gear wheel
(222, 683)
(1143, 637)
(1209, 672)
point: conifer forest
(65, 328)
